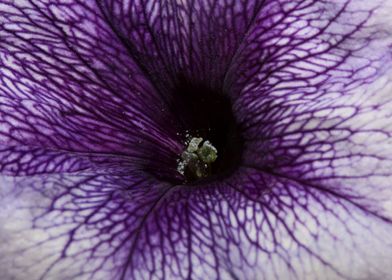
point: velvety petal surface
(85, 101)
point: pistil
(196, 160)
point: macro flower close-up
(195, 139)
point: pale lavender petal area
(90, 136)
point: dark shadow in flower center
(207, 113)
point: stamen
(196, 160)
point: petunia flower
(195, 139)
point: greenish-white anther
(196, 160)
(207, 153)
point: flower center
(197, 159)
(213, 142)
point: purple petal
(85, 98)
(176, 39)
(62, 89)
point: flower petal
(78, 226)
(318, 96)
(62, 89)
(195, 40)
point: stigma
(195, 162)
